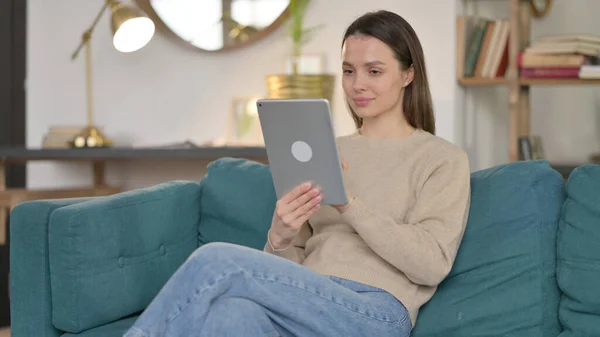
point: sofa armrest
(105, 258)
(110, 256)
(30, 305)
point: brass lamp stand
(131, 31)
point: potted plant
(295, 84)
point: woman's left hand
(343, 208)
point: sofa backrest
(238, 201)
(579, 254)
(504, 279)
(503, 282)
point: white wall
(165, 93)
(566, 117)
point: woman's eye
(347, 71)
(375, 72)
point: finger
(304, 217)
(344, 164)
(284, 208)
(302, 200)
(292, 216)
(296, 192)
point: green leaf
(298, 34)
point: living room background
(166, 94)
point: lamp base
(91, 137)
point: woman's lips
(362, 102)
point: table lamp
(131, 31)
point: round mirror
(214, 25)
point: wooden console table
(98, 158)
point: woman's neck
(381, 127)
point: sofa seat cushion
(110, 256)
(503, 280)
(238, 201)
(115, 329)
(579, 254)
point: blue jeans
(227, 290)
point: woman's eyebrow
(368, 64)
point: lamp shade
(131, 30)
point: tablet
(301, 146)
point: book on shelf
(59, 137)
(589, 72)
(482, 47)
(569, 38)
(531, 148)
(561, 56)
(554, 72)
(581, 44)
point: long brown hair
(395, 32)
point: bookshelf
(474, 82)
(518, 39)
(553, 81)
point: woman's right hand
(291, 212)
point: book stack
(561, 56)
(482, 47)
(59, 137)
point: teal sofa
(529, 265)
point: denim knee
(216, 249)
(218, 253)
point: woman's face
(372, 78)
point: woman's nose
(359, 83)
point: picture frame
(308, 64)
(243, 125)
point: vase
(301, 86)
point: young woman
(360, 269)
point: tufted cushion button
(120, 262)
(162, 250)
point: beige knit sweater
(403, 230)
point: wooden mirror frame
(146, 6)
(540, 14)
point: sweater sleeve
(424, 249)
(295, 251)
